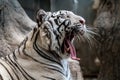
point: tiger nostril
(82, 22)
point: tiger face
(57, 31)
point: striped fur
(40, 56)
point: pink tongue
(72, 51)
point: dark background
(80, 7)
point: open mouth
(68, 47)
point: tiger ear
(40, 17)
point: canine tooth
(68, 49)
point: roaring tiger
(43, 54)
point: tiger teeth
(68, 49)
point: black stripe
(14, 56)
(59, 25)
(56, 22)
(12, 67)
(58, 42)
(44, 55)
(1, 78)
(54, 31)
(41, 53)
(7, 71)
(34, 30)
(57, 70)
(55, 55)
(27, 73)
(48, 77)
(22, 43)
(17, 66)
(63, 23)
(18, 50)
(38, 22)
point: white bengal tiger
(43, 53)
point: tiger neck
(29, 49)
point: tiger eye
(68, 16)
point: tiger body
(24, 67)
(40, 56)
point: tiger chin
(43, 53)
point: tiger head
(57, 31)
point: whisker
(78, 37)
(93, 39)
(88, 36)
(81, 37)
(89, 40)
(91, 35)
(91, 30)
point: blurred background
(89, 63)
(80, 7)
